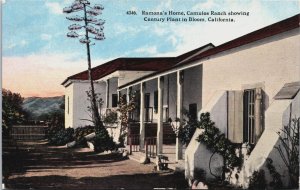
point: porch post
(179, 112)
(160, 86)
(119, 94)
(107, 93)
(142, 115)
(128, 90)
(127, 94)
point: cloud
(173, 39)
(54, 7)
(147, 49)
(133, 8)
(22, 43)
(120, 28)
(160, 30)
(41, 74)
(12, 45)
(188, 36)
(164, 5)
(46, 37)
(204, 5)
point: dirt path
(38, 166)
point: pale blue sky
(34, 35)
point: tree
(125, 108)
(91, 32)
(12, 111)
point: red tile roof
(134, 64)
(268, 31)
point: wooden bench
(163, 162)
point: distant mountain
(37, 106)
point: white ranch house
(250, 86)
(108, 77)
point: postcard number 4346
(131, 12)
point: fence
(134, 143)
(28, 132)
(151, 147)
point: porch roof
(130, 64)
(268, 31)
(134, 64)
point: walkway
(39, 166)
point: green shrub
(55, 121)
(258, 180)
(62, 137)
(80, 133)
(52, 130)
(217, 142)
(121, 139)
(102, 141)
(288, 150)
(186, 132)
(110, 118)
(276, 182)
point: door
(193, 111)
(147, 106)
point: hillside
(38, 106)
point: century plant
(288, 149)
(92, 30)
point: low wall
(278, 115)
(197, 156)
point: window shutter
(235, 116)
(258, 113)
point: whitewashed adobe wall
(151, 87)
(113, 86)
(128, 76)
(171, 103)
(278, 115)
(273, 61)
(69, 99)
(197, 155)
(78, 103)
(192, 87)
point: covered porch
(161, 101)
(169, 150)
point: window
(138, 100)
(147, 106)
(155, 101)
(147, 100)
(193, 111)
(114, 100)
(245, 122)
(249, 117)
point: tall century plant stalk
(92, 30)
